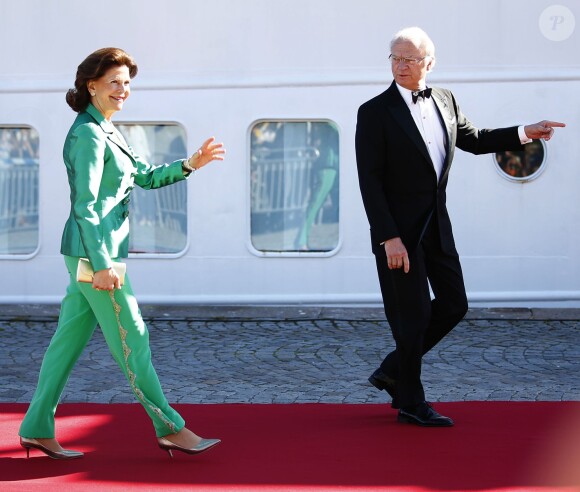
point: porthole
(522, 165)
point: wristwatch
(186, 167)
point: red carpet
(495, 446)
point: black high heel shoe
(203, 445)
(65, 454)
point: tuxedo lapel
(449, 121)
(401, 114)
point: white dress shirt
(426, 117)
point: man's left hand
(543, 129)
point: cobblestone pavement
(298, 355)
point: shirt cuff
(523, 137)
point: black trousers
(418, 322)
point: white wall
(217, 66)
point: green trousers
(118, 315)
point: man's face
(410, 65)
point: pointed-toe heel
(202, 446)
(65, 454)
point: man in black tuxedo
(405, 140)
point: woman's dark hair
(94, 67)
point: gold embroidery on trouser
(131, 374)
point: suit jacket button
(126, 213)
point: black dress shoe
(424, 415)
(383, 382)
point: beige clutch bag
(85, 271)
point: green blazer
(102, 170)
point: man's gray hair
(418, 37)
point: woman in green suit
(102, 170)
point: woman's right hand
(106, 280)
(209, 151)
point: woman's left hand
(208, 152)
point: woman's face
(110, 91)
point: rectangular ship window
(294, 186)
(19, 192)
(158, 218)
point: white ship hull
(305, 61)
